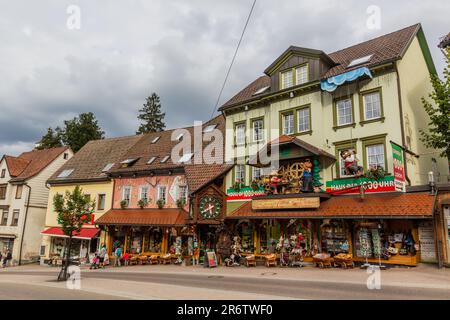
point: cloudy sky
(124, 50)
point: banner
(399, 168)
(352, 185)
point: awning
(379, 206)
(85, 233)
(330, 84)
(144, 217)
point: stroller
(95, 262)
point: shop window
(15, 218)
(245, 230)
(153, 240)
(334, 236)
(101, 202)
(4, 221)
(270, 236)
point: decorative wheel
(296, 170)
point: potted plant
(143, 203)
(160, 203)
(181, 203)
(237, 185)
(123, 204)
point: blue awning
(330, 84)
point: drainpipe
(24, 224)
(437, 232)
(402, 129)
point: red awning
(85, 233)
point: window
(258, 129)
(359, 61)
(344, 112)
(288, 123)
(108, 167)
(287, 79)
(372, 105)
(185, 158)
(15, 218)
(65, 173)
(303, 120)
(128, 162)
(261, 90)
(126, 194)
(101, 202)
(66, 156)
(4, 221)
(240, 173)
(256, 173)
(3, 173)
(165, 159)
(301, 74)
(375, 156)
(240, 134)
(162, 193)
(209, 128)
(3, 191)
(42, 250)
(182, 193)
(342, 173)
(19, 189)
(155, 139)
(143, 193)
(150, 161)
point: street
(175, 282)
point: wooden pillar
(165, 240)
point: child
(126, 258)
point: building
(23, 199)
(163, 203)
(88, 169)
(315, 109)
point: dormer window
(150, 161)
(155, 139)
(261, 90)
(65, 173)
(128, 162)
(163, 160)
(108, 167)
(287, 79)
(362, 60)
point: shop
(6, 242)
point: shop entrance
(207, 239)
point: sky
(55, 66)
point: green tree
(438, 134)
(152, 119)
(51, 139)
(80, 130)
(316, 174)
(74, 209)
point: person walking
(126, 258)
(102, 255)
(118, 256)
(7, 258)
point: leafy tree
(151, 116)
(80, 130)
(74, 209)
(438, 135)
(51, 139)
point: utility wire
(232, 60)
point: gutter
(24, 224)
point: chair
(133, 260)
(166, 259)
(271, 260)
(250, 261)
(142, 259)
(153, 259)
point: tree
(74, 209)
(438, 135)
(80, 130)
(316, 174)
(51, 139)
(151, 116)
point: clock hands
(208, 209)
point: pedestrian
(126, 258)
(117, 256)
(106, 261)
(7, 258)
(102, 255)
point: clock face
(210, 207)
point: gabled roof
(197, 175)
(384, 49)
(29, 164)
(89, 162)
(388, 205)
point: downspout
(436, 230)
(402, 129)
(24, 223)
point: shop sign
(286, 203)
(352, 186)
(245, 193)
(399, 168)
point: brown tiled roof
(144, 217)
(197, 174)
(15, 165)
(385, 48)
(445, 42)
(90, 160)
(29, 164)
(394, 205)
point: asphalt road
(297, 289)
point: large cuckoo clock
(210, 205)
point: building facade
(23, 200)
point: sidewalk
(423, 276)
